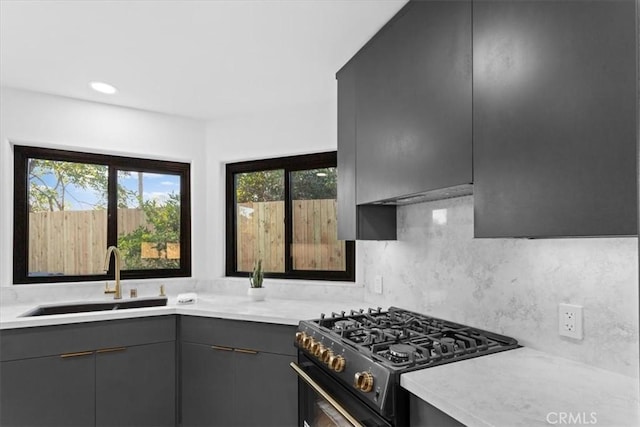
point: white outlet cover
(570, 321)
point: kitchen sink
(46, 310)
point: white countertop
(525, 387)
(272, 310)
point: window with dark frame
(70, 206)
(283, 211)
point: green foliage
(308, 185)
(267, 186)
(263, 186)
(163, 226)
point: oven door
(324, 402)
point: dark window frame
(289, 164)
(114, 163)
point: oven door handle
(318, 389)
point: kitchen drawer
(53, 340)
(266, 337)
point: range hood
(428, 196)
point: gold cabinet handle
(111, 350)
(218, 347)
(78, 354)
(245, 351)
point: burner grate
(425, 340)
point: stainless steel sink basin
(46, 310)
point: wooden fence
(74, 242)
(260, 235)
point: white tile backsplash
(510, 286)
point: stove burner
(401, 351)
(341, 325)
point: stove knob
(309, 343)
(306, 341)
(300, 336)
(363, 381)
(315, 347)
(317, 351)
(325, 355)
(337, 363)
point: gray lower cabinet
(236, 373)
(47, 391)
(554, 118)
(425, 414)
(206, 379)
(136, 386)
(114, 373)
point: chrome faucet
(118, 290)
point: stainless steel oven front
(325, 402)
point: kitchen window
(70, 206)
(283, 211)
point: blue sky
(155, 186)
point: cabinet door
(555, 118)
(266, 392)
(413, 106)
(136, 386)
(346, 201)
(207, 381)
(369, 222)
(48, 391)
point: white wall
(31, 118)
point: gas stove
(367, 351)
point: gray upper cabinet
(555, 118)
(413, 103)
(370, 222)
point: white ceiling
(202, 59)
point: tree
(55, 185)
(267, 186)
(162, 227)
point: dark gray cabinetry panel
(369, 222)
(346, 203)
(413, 105)
(136, 386)
(225, 364)
(266, 380)
(425, 414)
(554, 96)
(113, 373)
(47, 391)
(207, 380)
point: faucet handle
(107, 290)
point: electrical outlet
(377, 285)
(570, 321)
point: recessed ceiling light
(103, 88)
(321, 174)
